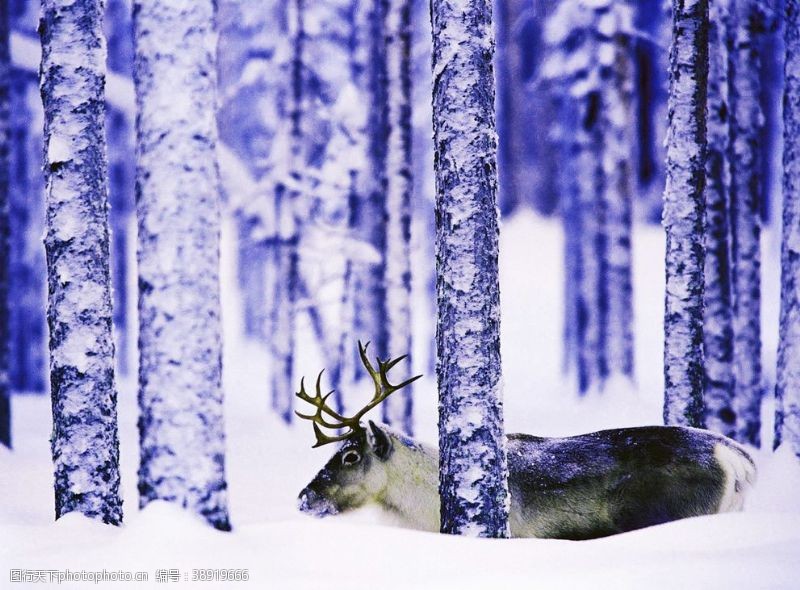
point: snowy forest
(290, 288)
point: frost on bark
(589, 62)
(684, 215)
(472, 456)
(182, 441)
(397, 410)
(717, 318)
(371, 215)
(787, 389)
(84, 440)
(747, 21)
(5, 76)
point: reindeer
(578, 487)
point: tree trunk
(182, 440)
(617, 96)
(787, 389)
(85, 443)
(684, 215)
(371, 215)
(472, 456)
(745, 126)
(5, 82)
(398, 410)
(717, 319)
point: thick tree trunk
(472, 456)
(398, 410)
(5, 259)
(717, 318)
(84, 441)
(182, 440)
(684, 215)
(745, 200)
(787, 389)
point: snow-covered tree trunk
(398, 410)
(617, 96)
(182, 440)
(717, 319)
(745, 198)
(286, 263)
(370, 291)
(5, 139)
(473, 484)
(787, 388)
(84, 441)
(684, 215)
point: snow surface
(268, 463)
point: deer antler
(332, 419)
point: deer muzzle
(311, 502)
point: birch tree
(398, 202)
(747, 21)
(182, 441)
(717, 318)
(5, 81)
(473, 484)
(787, 388)
(84, 441)
(684, 215)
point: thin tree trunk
(287, 198)
(745, 200)
(370, 291)
(717, 318)
(85, 443)
(787, 389)
(617, 107)
(398, 410)
(473, 482)
(684, 215)
(5, 259)
(182, 439)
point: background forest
(286, 178)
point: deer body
(579, 487)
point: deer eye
(351, 458)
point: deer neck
(412, 490)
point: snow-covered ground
(268, 463)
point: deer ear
(379, 441)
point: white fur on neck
(412, 486)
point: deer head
(356, 472)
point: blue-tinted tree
(748, 20)
(84, 441)
(590, 70)
(717, 315)
(787, 389)
(472, 456)
(399, 180)
(684, 215)
(5, 82)
(181, 430)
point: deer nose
(311, 502)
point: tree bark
(182, 439)
(85, 442)
(717, 315)
(5, 259)
(787, 389)
(472, 455)
(684, 215)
